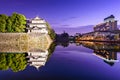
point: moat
(60, 40)
(70, 61)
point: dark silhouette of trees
(64, 37)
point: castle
(37, 25)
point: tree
(15, 61)
(14, 23)
(51, 32)
(3, 19)
(3, 63)
(18, 22)
(9, 25)
(19, 62)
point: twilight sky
(64, 13)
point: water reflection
(19, 61)
(109, 57)
(105, 51)
(38, 58)
(15, 62)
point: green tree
(14, 23)
(15, 61)
(18, 62)
(3, 19)
(51, 32)
(18, 22)
(9, 25)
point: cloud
(63, 22)
(54, 23)
(72, 17)
(69, 18)
(84, 26)
(74, 30)
(65, 25)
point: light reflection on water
(80, 61)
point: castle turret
(37, 25)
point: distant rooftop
(36, 17)
(111, 16)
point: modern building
(37, 25)
(37, 59)
(109, 24)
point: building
(37, 25)
(37, 59)
(106, 31)
(86, 36)
(108, 56)
(109, 24)
(106, 36)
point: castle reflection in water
(38, 58)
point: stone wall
(24, 42)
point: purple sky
(64, 13)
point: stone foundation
(24, 42)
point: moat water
(73, 61)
